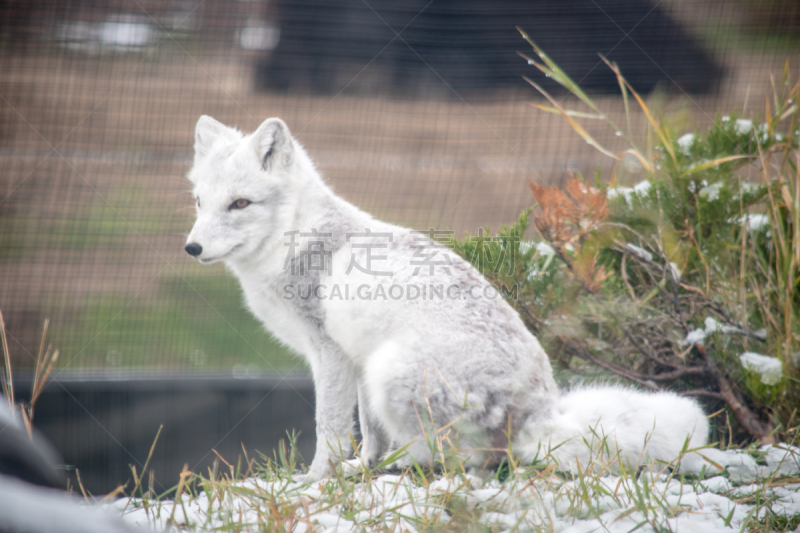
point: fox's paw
(400, 465)
(353, 467)
(305, 479)
(309, 477)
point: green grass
(199, 322)
(110, 224)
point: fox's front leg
(335, 392)
(374, 440)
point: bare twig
(702, 392)
(624, 273)
(584, 353)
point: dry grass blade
(575, 126)
(111, 496)
(26, 419)
(624, 91)
(569, 112)
(709, 164)
(796, 217)
(41, 353)
(774, 99)
(38, 384)
(147, 461)
(645, 164)
(8, 384)
(179, 492)
(653, 122)
(45, 361)
(80, 486)
(769, 115)
(44, 365)
(788, 112)
(554, 71)
(230, 466)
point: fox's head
(241, 185)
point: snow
(685, 142)
(711, 192)
(779, 461)
(676, 271)
(542, 248)
(754, 221)
(545, 249)
(697, 336)
(639, 189)
(613, 192)
(641, 252)
(712, 326)
(648, 256)
(750, 188)
(741, 126)
(525, 502)
(769, 368)
(642, 187)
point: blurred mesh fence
(414, 110)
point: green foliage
(707, 244)
(529, 276)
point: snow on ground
(529, 500)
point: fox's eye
(241, 203)
(198, 202)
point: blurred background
(414, 110)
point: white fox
(387, 318)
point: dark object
(461, 46)
(30, 459)
(105, 421)
(28, 501)
(193, 249)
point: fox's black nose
(193, 249)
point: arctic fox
(393, 320)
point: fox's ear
(273, 143)
(205, 133)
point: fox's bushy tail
(605, 425)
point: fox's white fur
(462, 368)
